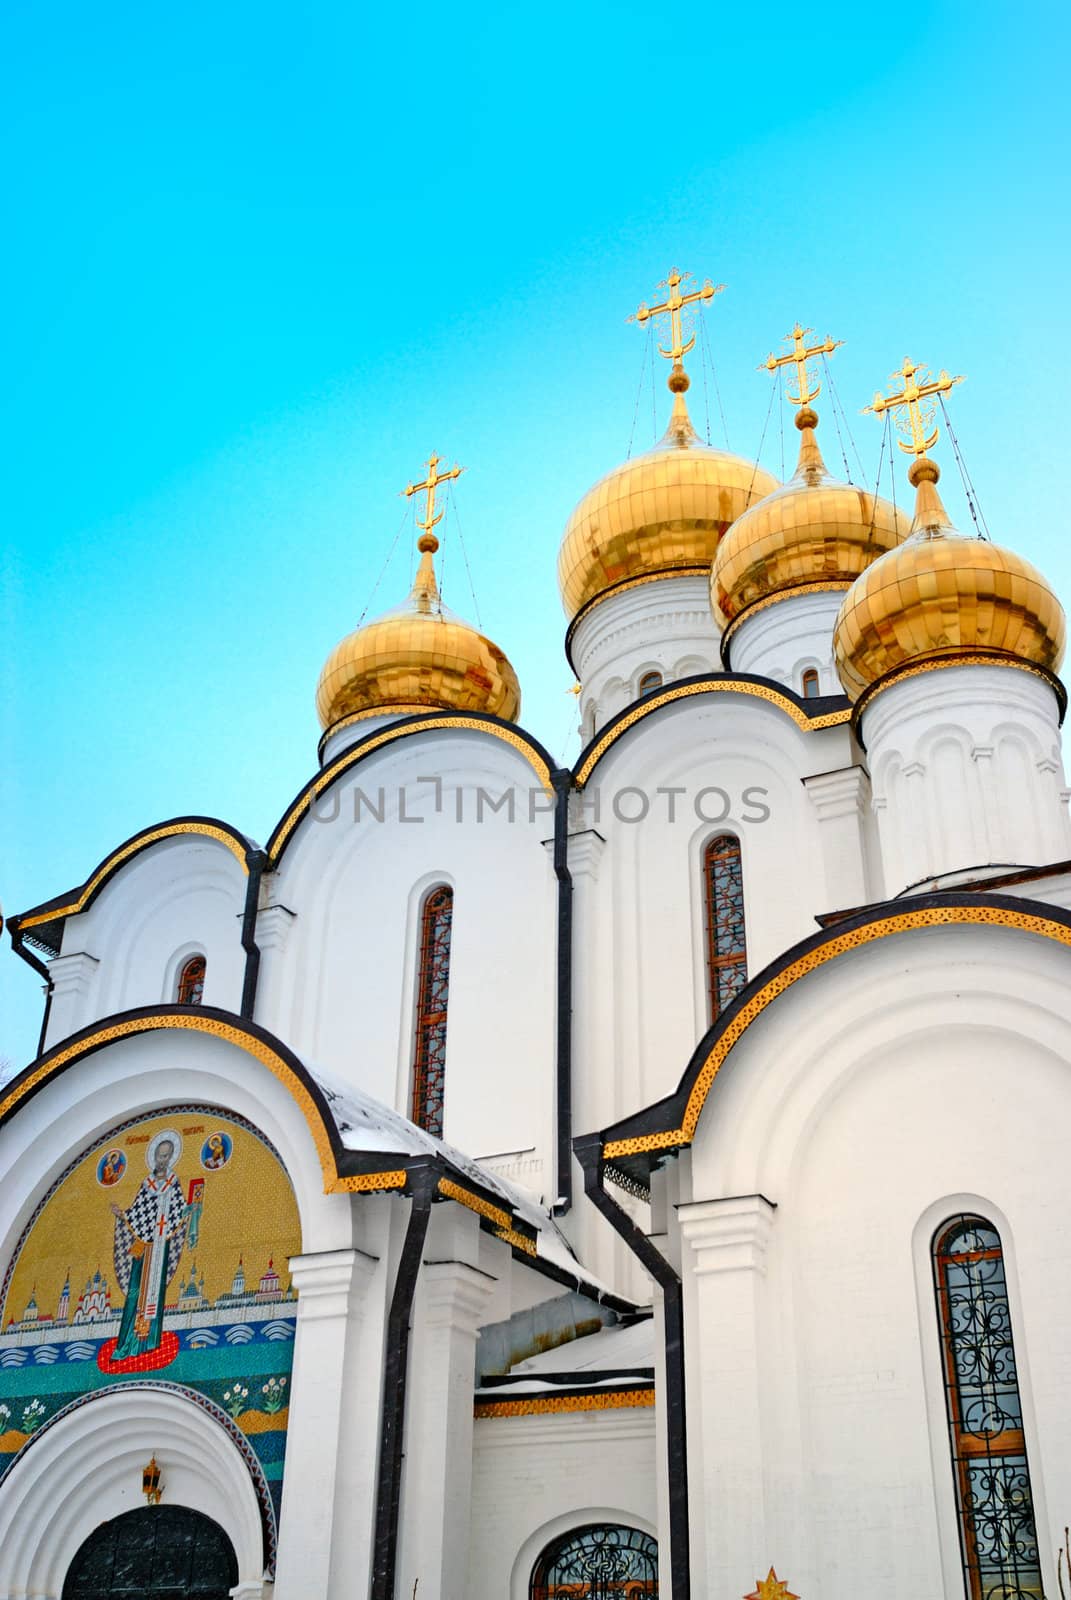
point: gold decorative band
(551, 1405)
(411, 710)
(683, 691)
(350, 758)
(687, 569)
(855, 939)
(955, 658)
(828, 586)
(192, 1023)
(502, 1219)
(132, 848)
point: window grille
(998, 1539)
(433, 989)
(597, 1563)
(726, 944)
(191, 983)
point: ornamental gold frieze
(685, 691)
(841, 944)
(556, 1405)
(168, 830)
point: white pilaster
(327, 1513)
(434, 1542)
(725, 1241)
(840, 800)
(72, 984)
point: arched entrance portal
(154, 1551)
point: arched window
(597, 1563)
(649, 683)
(433, 990)
(811, 687)
(191, 982)
(723, 889)
(998, 1539)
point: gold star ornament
(771, 1588)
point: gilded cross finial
(672, 306)
(428, 487)
(771, 1588)
(913, 400)
(798, 356)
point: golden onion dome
(942, 595)
(660, 514)
(418, 657)
(813, 533)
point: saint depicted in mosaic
(149, 1239)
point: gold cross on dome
(771, 1588)
(429, 486)
(917, 426)
(798, 357)
(672, 306)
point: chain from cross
(918, 426)
(798, 357)
(672, 306)
(429, 486)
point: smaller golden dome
(417, 657)
(942, 594)
(812, 533)
(661, 513)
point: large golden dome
(418, 657)
(812, 533)
(659, 514)
(942, 595)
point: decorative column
(331, 1402)
(840, 802)
(437, 1489)
(725, 1244)
(274, 926)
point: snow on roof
(628, 1347)
(364, 1123)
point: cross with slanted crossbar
(798, 357)
(915, 389)
(672, 306)
(429, 486)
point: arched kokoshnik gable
(634, 1146)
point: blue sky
(261, 262)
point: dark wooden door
(154, 1553)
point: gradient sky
(261, 261)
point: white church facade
(645, 1178)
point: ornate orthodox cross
(672, 306)
(429, 486)
(913, 398)
(798, 357)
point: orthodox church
(691, 1219)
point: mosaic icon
(110, 1168)
(216, 1151)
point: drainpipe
(395, 1375)
(39, 967)
(256, 861)
(589, 1154)
(563, 781)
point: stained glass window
(433, 989)
(597, 1563)
(998, 1539)
(649, 683)
(811, 689)
(726, 946)
(191, 984)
